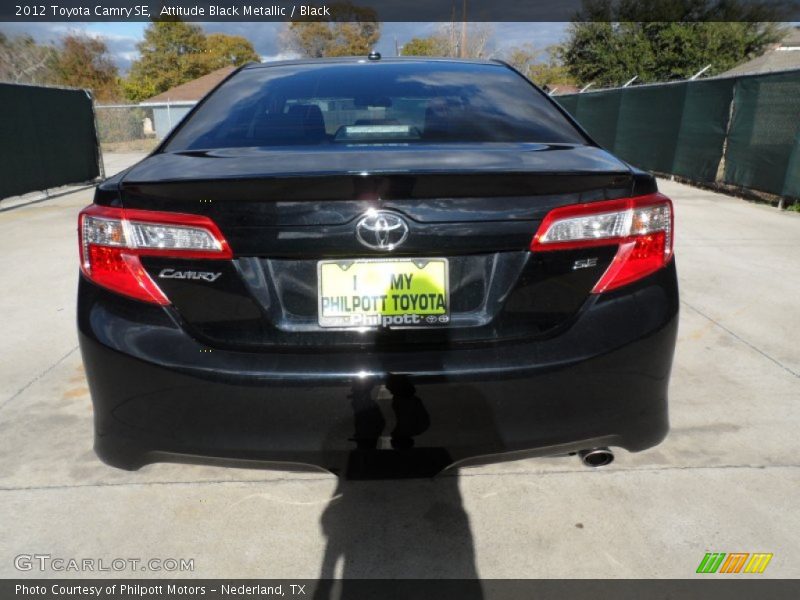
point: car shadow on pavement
(389, 517)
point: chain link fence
(740, 133)
(128, 128)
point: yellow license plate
(402, 292)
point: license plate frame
(396, 318)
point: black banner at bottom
(416, 589)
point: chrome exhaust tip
(596, 457)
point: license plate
(402, 292)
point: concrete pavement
(726, 479)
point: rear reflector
(641, 227)
(112, 240)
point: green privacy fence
(47, 138)
(742, 131)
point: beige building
(171, 106)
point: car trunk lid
(284, 211)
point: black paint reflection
(383, 454)
(411, 418)
(389, 517)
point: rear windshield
(373, 103)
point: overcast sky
(122, 37)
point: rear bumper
(160, 395)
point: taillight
(112, 240)
(641, 227)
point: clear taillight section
(640, 226)
(171, 237)
(113, 239)
(591, 227)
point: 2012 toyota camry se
(332, 261)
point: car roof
(363, 59)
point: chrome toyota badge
(381, 230)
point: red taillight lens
(641, 227)
(114, 269)
(112, 240)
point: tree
(22, 60)
(174, 52)
(447, 42)
(540, 66)
(658, 41)
(433, 45)
(350, 31)
(223, 50)
(77, 61)
(550, 74)
(476, 37)
(84, 62)
(523, 57)
(171, 53)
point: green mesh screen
(684, 128)
(569, 102)
(701, 138)
(648, 125)
(763, 137)
(47, 138)
(791, 187)
(598, 113)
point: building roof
(792, 39)
(781, 57)
(194, 90)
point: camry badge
(196, 275)
(381, 230)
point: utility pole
(463, 52)
(453, 50)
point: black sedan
(362, 261)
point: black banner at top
(397, 10)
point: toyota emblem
(381, 230)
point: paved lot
(726, 479)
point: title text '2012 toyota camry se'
(361, 261)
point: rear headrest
(450, 121)
(303, 123)
(439, 120)
(310, 116)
